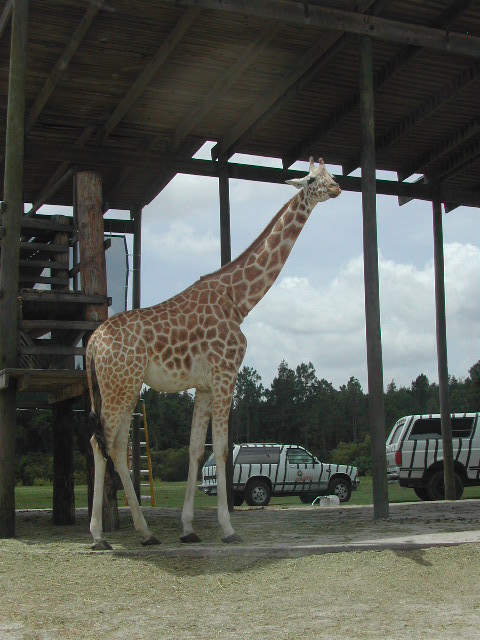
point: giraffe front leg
(201, 415)
(96, 529)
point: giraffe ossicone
(192, 340)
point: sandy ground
(52, 586)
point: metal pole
(9, 261)
(441, 324)
(226, 256)
(371, 278)
(137, 257)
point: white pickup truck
(263, 470)
(415, 453)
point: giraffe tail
(94, 422)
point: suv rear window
(397, 430)
(258, 455)
(299, 456)
(431, 428)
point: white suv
(415, 453)
(264, 470)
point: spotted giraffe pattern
(192, 340)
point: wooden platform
(44, 387)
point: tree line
(298, 408)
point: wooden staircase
(52, 325)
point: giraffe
(192, 340)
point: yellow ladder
(144, 458)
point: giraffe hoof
(102, 545)
(233, 538)
(151, 541)
(189, 538)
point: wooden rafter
(149, 72)
(415, 117)
(381, 77)
(275, 98)
(224, 82)
(62, 63)
(421, 163)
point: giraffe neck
(250, 276)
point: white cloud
(182, 240)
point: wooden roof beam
(161, 164)
(149, 72)
(381, 77)
(302, 13)
(414, 118)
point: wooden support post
(371, 278)
(62, 416)
(9, 261)
(89, 216)
(441, 324)
(63, 486)
(137, 258)
(226, 256)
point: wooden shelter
(103, 102)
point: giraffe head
(318, 184)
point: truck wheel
(436, 486)
(421, 493)
(238, 498)
(340, 488)
(257, 494)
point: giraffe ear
(299, 183)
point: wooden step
(44, 246)
(45, 224)
(24, 278)
(33, 263)
(50, 350)
(66, 297)
(66, 325)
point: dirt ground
(300, 573)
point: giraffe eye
(310, 180)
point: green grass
(170, 494)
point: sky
(315, 310)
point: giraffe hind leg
(99, 541)
(119, 456)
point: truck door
(302, 473)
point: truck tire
(421, 493)
(436, 486)
(340, 487)
(257, 494)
